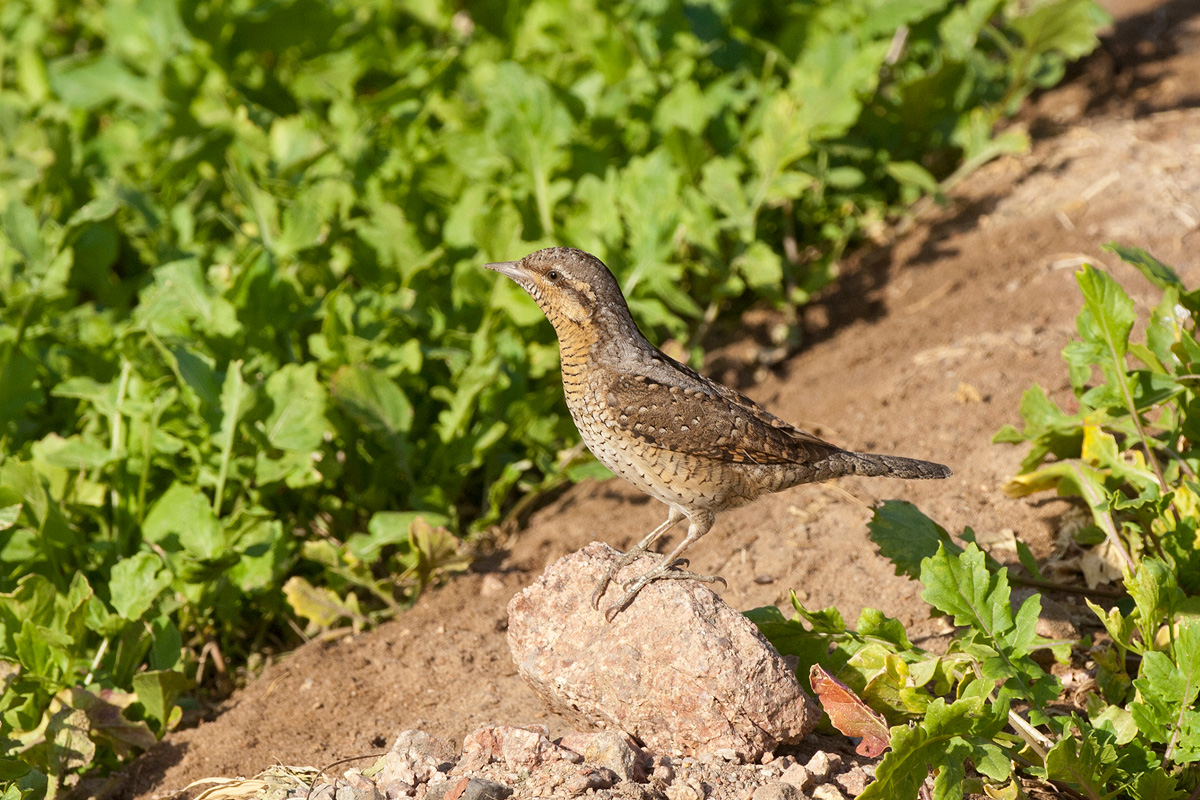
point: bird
(695, 444)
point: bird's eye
(552, 275)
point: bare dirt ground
(923, 349)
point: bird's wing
(697, 416)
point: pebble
(777, 791)
(797, 775)
(822, 764)
(853, 781)
(613, 751)
(827, 791)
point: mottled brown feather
(708, 420)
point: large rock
(679, 669)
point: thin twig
(1099, 591)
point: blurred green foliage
(245, 337)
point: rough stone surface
(476, 789)
(416, 757)
(797, 775)
(517, 748)
(777, 791)
(353, 785)
(822, 764)
(827, 791)
(611, 750)
(853, 781)
(678, 670)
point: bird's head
(573, 288)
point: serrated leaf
(1107, 316)
(1085, 761)
(934, 743)
(962, 586)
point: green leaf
(761, 266)
(389, 528)
(937, 742)
(20, 227)
(1086, 762)
(18, 385)
(1155, 271)
(75, 453)
(913, 174)
(962, 586)
(1066, 26)
(1154, 590)
(1107, 316)
(135, 583)
(297, 420)
(372, 400)
(157, 691)
(182, 518)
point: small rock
(799, 776)
(628, 790)
(777, 791)
(852, 781)
(476, 789)
(827, 791)
(822, 764)
(490, 585)
(678, 669)
(585, 779)
(345, 791)
(518, 748)
(614, 752)
(322, 791)
(394, 789)
(415, 758)
(437, 788)
(353, 785)
(663, 773)
(685, 790)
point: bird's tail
(872, 465)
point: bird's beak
(512, 269)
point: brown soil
(922, 349)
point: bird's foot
(627, 558)
(663, 572)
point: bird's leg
(666, 569)
(634, 553)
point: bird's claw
(627, 558)
(663, 572)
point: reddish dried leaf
(849, 714)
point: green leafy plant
(1130, 455)
(250, 368)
